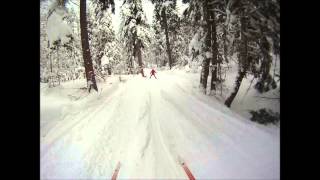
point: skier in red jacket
(153, 73)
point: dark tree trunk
(206, 61)
(213, 78)
(50, 63)
(265, 79)
(215, 52)
(243, 63)
(167, 35)
(85, 46)
(225, 47)
(139, 53)
(230, 99)
(140, 57)
(58, 59)
(50, 77)
(131, 59)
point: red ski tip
(187, 170)
(115, 174)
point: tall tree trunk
(139, 53)
(50, 56)
(225, 47)
(265, 79)
(206, 61)
(167, 35)
(51, 73)
(135, 48)
(131, 61)
(243, 63)
(230, 99)
(139, 46)
(215, 52)
(85, 46)
(58, 59)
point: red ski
(186, 169)
(115, 174)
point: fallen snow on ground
(247, 98)
(146, 125)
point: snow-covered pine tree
(44, 44)
(202, 15)
(158, 44)
(113, 56)
(60, 37)
(166, 15)
(77, 66)
(134, 30)
(185, 34)
(85, 40)
(192, 17)
(265, 27)
(101, 34)
(259, 39)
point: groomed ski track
(146, 125)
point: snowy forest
(165, 89)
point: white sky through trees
(148, 8)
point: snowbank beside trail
(69, 98)
(217, 132)
(250, 99)
(246, 99)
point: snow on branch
(218, 10)
(57, 27)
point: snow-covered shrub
(264, 116)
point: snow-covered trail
(146, 125)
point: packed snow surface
(147, 125)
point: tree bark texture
(243, 63)
(85, 46)
(167, 36)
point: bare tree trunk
(157, 61)
(225, 47)
(140, 57)
(215, 52)
(50, 77)
(139, 53)
(243, 63)
(230, 99)
(265, 79)
(50, 62)
(167, 36)
(85, 46)
(206, 61)
(58, 59)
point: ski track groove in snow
(146, 125)
(159, 137)
(202, 128)
(74, 122)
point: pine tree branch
(266, 97)
(217, 10)
(74, 3)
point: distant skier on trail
(152, 73)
